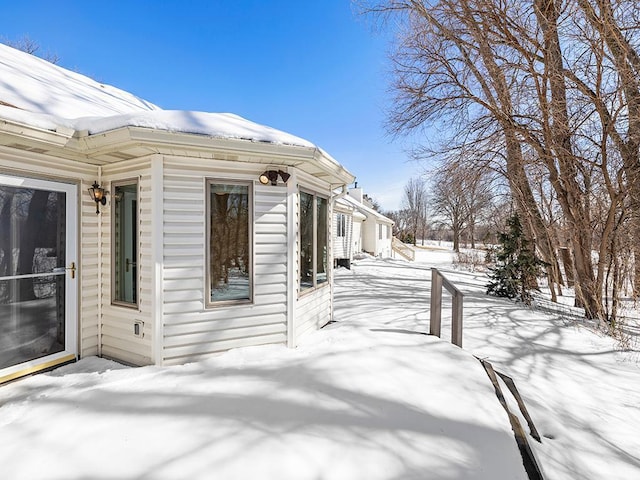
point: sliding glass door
(38, 277)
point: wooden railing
(437, 282)
(403, 249)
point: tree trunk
(627, 62)
(519, 185)
(565, 183)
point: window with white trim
(229, 242)
(314, 240)
(341, 225)
(124, 246)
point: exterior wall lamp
(98, 195)
(271, 176)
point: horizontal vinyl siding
(313, 311)
(369, 235)
(313, 307)
(356, 237)
(384, 246)
(342, 245)
(118, 339)
(16, 162)
(190, 329)
(89, 273)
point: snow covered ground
(364, 398)
(582, 391)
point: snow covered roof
(362, 208)
(39, 94)
(343, 205)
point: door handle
(72, 267)
(128, 263)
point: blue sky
(312, 68)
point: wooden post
(435, 323)
(436, 303)
(456, 319)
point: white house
(365, 229)
(151, 236)
(347, 232)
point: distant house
(151, 236)
(347, 232)
(357, 227)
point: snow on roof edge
(367, 210)
(220, 125)
(37, 94)
(224, 126)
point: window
(380, 227)
(314, 238)
(229, 242)
(321, 240)
(125, 243)
(341, 221)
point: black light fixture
(271, 176)
(98, 195)
(284, 176)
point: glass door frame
(70, 351)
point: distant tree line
(544, 94)
(453, 205)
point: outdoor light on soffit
(271, 176)
(98, 195)
(284, 176)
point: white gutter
(59, 138)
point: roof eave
(310, 159)
(27, 133)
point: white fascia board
(276, 154)
(341, 207)
(21, 131)
(227, 145)
(359, 216)
(159, 140)
(369, 212)
(339, 174)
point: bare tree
(616, 24)
(28, 45)
(415, 206)
(449, 206)
(461, 195)
(401, 223)
(446, 68)
(551, 89)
